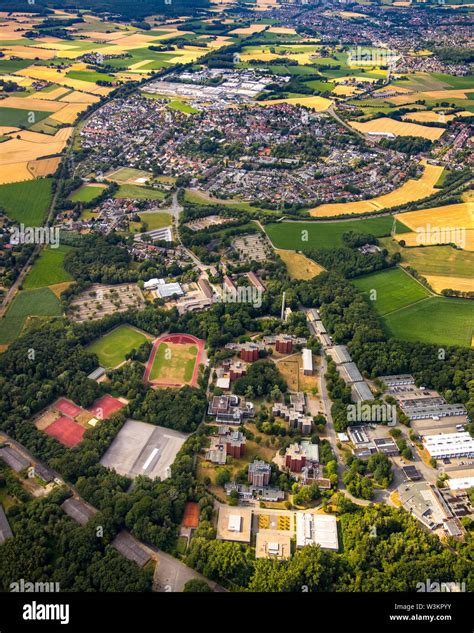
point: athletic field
(174, 361)
(113, 347)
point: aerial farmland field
(392, 289)
(304, 236)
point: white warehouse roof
(316, 529)
(450, 445)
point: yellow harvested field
(417, 239)
(298, 265)
(52, 94)
(80, 97)
(44, 167)
(26, 82)
(345, 91)
(315, 103)
(30, 103)
(28, 52)
(369, 80)
(410, 191)
(54, 76)
(69, 113)
(399, 128)
(249, 30)
(397, 89)
(59, 288)
(404, 99)
(281, 29)
(97, 36)
(447, 94)
(6, 129)
(18, 152)
(428, 116)
(450, 216)
(14, 172)
(439, 283)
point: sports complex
(174, 361)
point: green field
(136, 192)
(18, 117)
(89, 75)
(39, 302)
(293, 236)
(173, 363)
(48, 268)
(434, 260)
(182, 106)
(86, 193)
(112, 348)
(126, 173)
(394, 289)
(12, 65)
(153, 221)
(27, 202)
(437, 320)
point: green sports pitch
(390, 290)
(438, 320)
(305, 236)
(113, 347)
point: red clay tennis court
(105, 407)
(67, 407)
(66, 431)
(191, 515)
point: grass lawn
(182, 106)
(437, 320)
(154, 221)
(127, 173)
(27, 202)
(19, 117)
(113, 347)
(86, 193)
(174, 363)
(38, 302)
(136, 192)
(89, 75)
(310, 235)
(394, 289)
(48, 268)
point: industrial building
(449, 445)
(316, 529)
(307, 362)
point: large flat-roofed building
(448, 445)
(397, 379)
(460, 483)
(423, 502)
(386, 445)
(434, 411)
(316, 529)
(234, 524)
(360, 391)
(13, 459)
(307, 361)
(273, 544)
(350, 373)
(340, 354)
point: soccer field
(390, 290)
(112, 348)
(173, 363)
(437, 320)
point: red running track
(182, 339)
